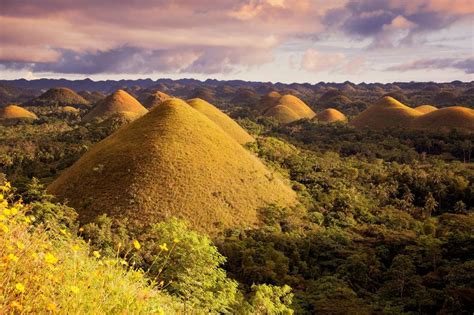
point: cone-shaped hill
(222, 120)
(425, 109)
(284, 108)
(120, 104)
(269, 100)
(282, 114)
(331, 115)
(155, 99)
(174, 161)
(13, 114)
(445, 119)
(386, 113)
(59, 97)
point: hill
(425, 109)
(59, 97)
(386, 113)
(227, 124)
(282, 114)
(285, 108)
(155, 98)
(446, 119)
(172, 162)
(119, 103)
(331, 115)
(13, 114)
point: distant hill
(118, 103)
(424, 109)
(285, 108)
(59, 97)
(12, 114)
(455, 117)
(154, 99)
(331, 115)
(172, 162)
(385, 113)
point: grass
(44, 269)
(331, 115)
(119, 103)
(12, 113)
(227, 124)
(174, 161)
(155, 99)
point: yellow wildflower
(74, 289)
(51, 307)
(81, 229)
(20, 287)
(136, 244)
(20, 245)
(4, 228)
(176, 241)
(50, 258)
(12, 257)
(164, 247)
(96, 254)
(123, 262)
(75, 247)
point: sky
(255, 40)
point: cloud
(315, 61)
(466, 65)
(391, 22)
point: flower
(96, 254)
(12, 257)
(164, 247)
(20, 245)
(20, 287)
(4, 228)
(75, 247)
(136, 244)
(50, 258)
(81, 229)
(51, 307)
(176, 241)
(74, 289)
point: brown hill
(13, 114)
(425, 109)
(282, 114)
(222, 120)
(297, 105)
(455, 117)
(331, 115)
(119, 103)
(268, 100)
(386, 113)
(172, 162)
(59, 97)
(155, 99)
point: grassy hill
(13, 113)
(331, 115)
(59, 97)
(174, 161)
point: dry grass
(172, 162)
(227, 124)
(70, 109)
(282, 114)
(447, 118)
(268, 101)
(331, 115)
(297, 105)
(425, 109)
(59, 96)
(386, 113)
(13, 113)
(119, 103)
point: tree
(430, 205)
(269, 300)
